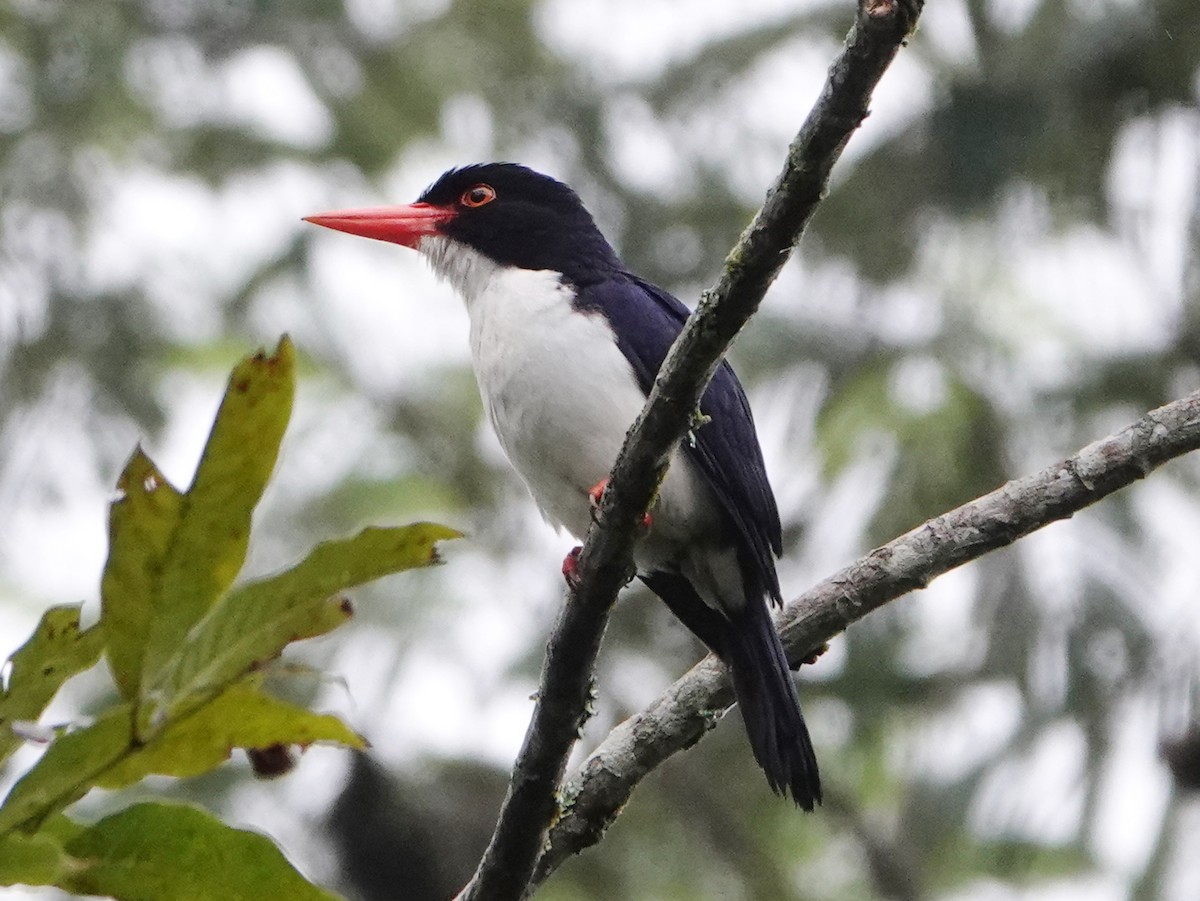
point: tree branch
(685, 711)
(605, 564)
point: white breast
(559, 392)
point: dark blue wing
(646, 320)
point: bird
(565, 344)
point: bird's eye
(478, 195)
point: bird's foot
(570, 567)
(596, 493)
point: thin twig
(605, 564)
(685, 711)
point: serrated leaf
(56, 651)
(68, 769)
(241, 717)
(254, 623)
(175, 852)
(31, 859)
(141, 526)
(209, 545)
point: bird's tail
(770, 706)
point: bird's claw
(596, 494)
(570, 567)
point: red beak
(405, 225)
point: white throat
(468, 271)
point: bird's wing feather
(646, 320)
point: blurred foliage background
(1007, 267)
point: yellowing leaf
(183, 649)
(254, 623)
(141, 525)
(209, 544)
(68, 769)
(241, 717)
(105, 754)
(31, 859)
(56, 651)
(174, 852)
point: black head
(519, 217)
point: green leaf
(31, 859)
(68, 769)
(254, 623)
(105, 754)
(208, 547)
(141, 524)
(61, 828)
(173, 852)
(180, 643)
(56, 651)
(241, 717)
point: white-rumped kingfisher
(566, 343)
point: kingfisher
(565, 344)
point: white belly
(558, 391)
(561, 397)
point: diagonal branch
(689, 708)
(605, 564)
